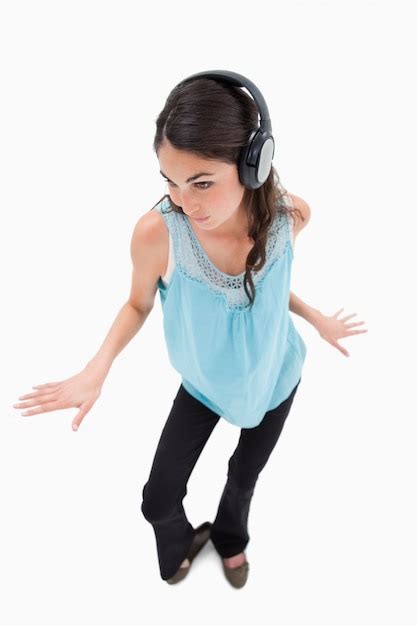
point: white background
(333, 519)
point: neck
(236, 227)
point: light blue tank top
(238, 362)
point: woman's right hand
(81, 391)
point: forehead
(180, 165)
(170, 157)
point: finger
(26, 406)
(347, 317)
(35, 401)
(31, 411)
(20, 405)
(354, 324)
(35, 394)
(337, 313)
(45, 408)
(342, 349)
(44, 385)
(80, 415)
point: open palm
(332, 328)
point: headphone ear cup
(265, 157)
(243, 169)
(255, 159)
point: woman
(220, 255)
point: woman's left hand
(331, 328)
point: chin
(204, 226)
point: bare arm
(330, 327)
(303, 309)
(296, 305)
(127, 323)
(145, 251)
(83, 389)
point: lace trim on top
(192, 260)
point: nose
(188, 204)
(194, 211)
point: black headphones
(255, 159)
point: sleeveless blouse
(237, 361)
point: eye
(209, 183)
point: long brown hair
(214, 120)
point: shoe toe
(180, 574)
(237, 576)
(201, 536)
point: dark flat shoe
(201, 536)
(237, 576)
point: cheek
(226, 200)
(175, 196)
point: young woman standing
(219, 249)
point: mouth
(201, 219)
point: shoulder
(150, 234)
(305, 210)
(150, 225)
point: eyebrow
(191, 177)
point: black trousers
(185, 433)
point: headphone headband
(255, 159)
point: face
(217, 194)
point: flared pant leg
(229, 533)
(185, 433)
